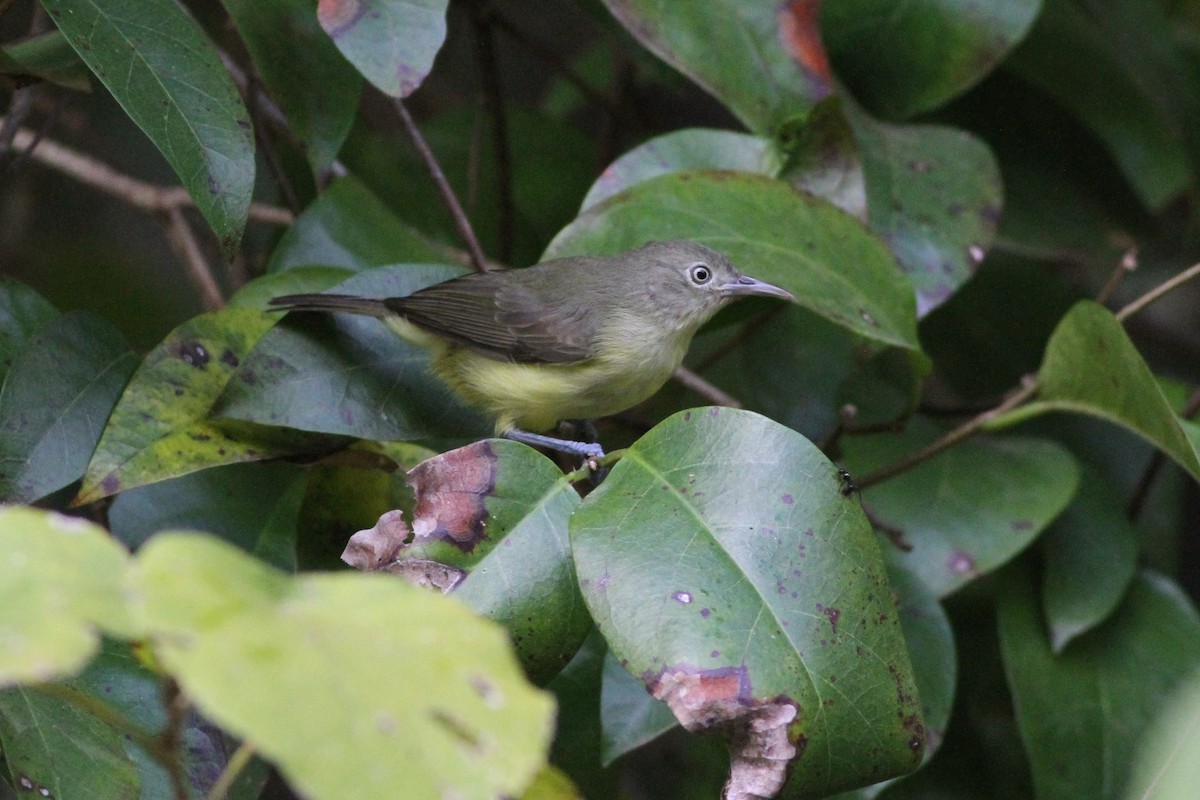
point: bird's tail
(347, 303)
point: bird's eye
(700, 274)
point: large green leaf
(969, 509)
(1091, 367)
(166, 74)
(1168, 764)
(314, 86)
(763, 60)
(61, 586)
(729, 572)
(825, 257)
(349, 227)
(22, 313)
(400, 687)
(160, 428)
(904, 58)
(54, 401)
(934, 195)
(391, 42)
(1083, 713)
(490, 524)
(351, 375)
(679, 151)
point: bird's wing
(502, 318)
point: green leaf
(351, 375)
(53, 748)
(934, 194)
(166, 74)
(391, 42)
(349, 227)
(22, 313)
(1090, 558)
(401, 687)
(60, 587)
(1091, 367)
(727, 570)
(48, 57)
(824, 158)
(1168, 762)
(826, 258)
(314, 86)
(969, 509)
(679, 151)
(496, 513)
(54, 401)
(1122, 75)
(1083, 713)
(160, 428)
(903, 59)
(764, 61)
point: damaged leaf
(490, 524)
(726, 568)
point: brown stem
(179, 234)
(478, 261)
(1158, 291)
(1126, 265)
(493, 103)
(171, 736)
(233, 768)
(705, 389)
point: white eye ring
(700, 274)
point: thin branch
(952, 437)
(1158, 291)
(137, 193)
(705, 389)
(1127, 264)
(478, 261)
(179, 234)
(493, 103)
(171, 736)
(233, 769)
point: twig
(266, 138)
(1126, 265)
(705, 389)
(171, 736)
(179, 234)
(952, 437)
(478, 262)
(146, 196)
(1140, 492)
(1157, 292)
(233, 769)
(493, 103)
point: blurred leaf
(1168, 762)
(1083, 713)
(551, 784)
(160, 428)
(1091, 367)
(60, 587)
(22, 313)
(726, 569)
(54, 749)
(826, 258)
(166, 74)
(1090, 558)
(771, 67)
(902, 59)
(48, 57)
(391, 42)
(934, 195)
(969, 509)
(351, 375)
(1116, 67)
(577, 743)
(629, 716)
(679, 151)
(254, 506)
(54, 401)
(294, 57)
(401, 687)
(349, 227)
(495, 513)
(824, 158)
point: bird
(571, 338)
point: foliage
(942, 549)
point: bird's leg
(586, 430)
(586, 450)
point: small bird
(571, 338)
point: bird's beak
(745, 286)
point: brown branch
(1127, 264)
(478, 261)
(179, 234)
(493, 103)
(1157, 292)
(233, 769)
(705, 389)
